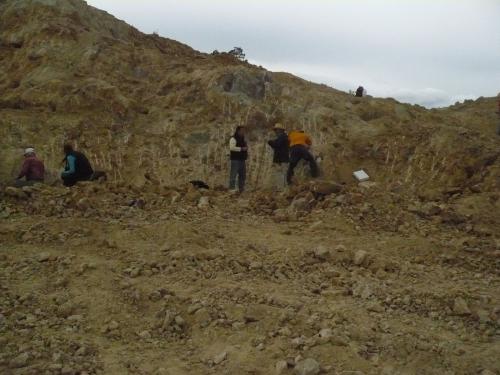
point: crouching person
(77, 167)
(33, 169)
(300, 145)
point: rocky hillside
(151, 110)
(144, 274)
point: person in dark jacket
(77, 167)
(33, 169)
(360, 92)
(238, 154)
(281, 157)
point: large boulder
(324, 188)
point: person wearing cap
(300, 144)
(238, 154)
(281, 157)
(77, 167)
(33, 169)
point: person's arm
(71, 166)
(272, 143)
(232, 145)
(308, 141)
(24, 170)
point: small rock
(43, 257)
(326, 333)
(113, 325)
(75, 318)
(460, 307)
(375, 306)
(299, 204)
(297, 342)
(193, 308)
(220, 358)
(204, 202)
(83, 204)
(82, 351)
(322, 253)
(20, 361)
(308, 366)
(483, 316)
(360, 257)
(135, 272)
(340, 199)
(145, 335)
(281, 367)
(256, 265)
(180, 321)
(326, 188)
(367, 184)
(316, 225)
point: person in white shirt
(238, 154)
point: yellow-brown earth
(397, 276)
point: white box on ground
(361, 176)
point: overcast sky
(430, 52)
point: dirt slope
(144, 105)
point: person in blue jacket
(77, 167)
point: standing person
(281, 157)
(238, 154)
(498, 113)
(77, 167)
(360, 92)
(300, 143)
(33, 169)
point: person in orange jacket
(300, 143)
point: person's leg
(307, 156)
(68, 181)
(232, 174)
(242, 175)
(279, 176)
(294, 160)
(283, 167)
(276, 176)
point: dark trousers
(238, 168)
(71, 180)
(297, 153)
